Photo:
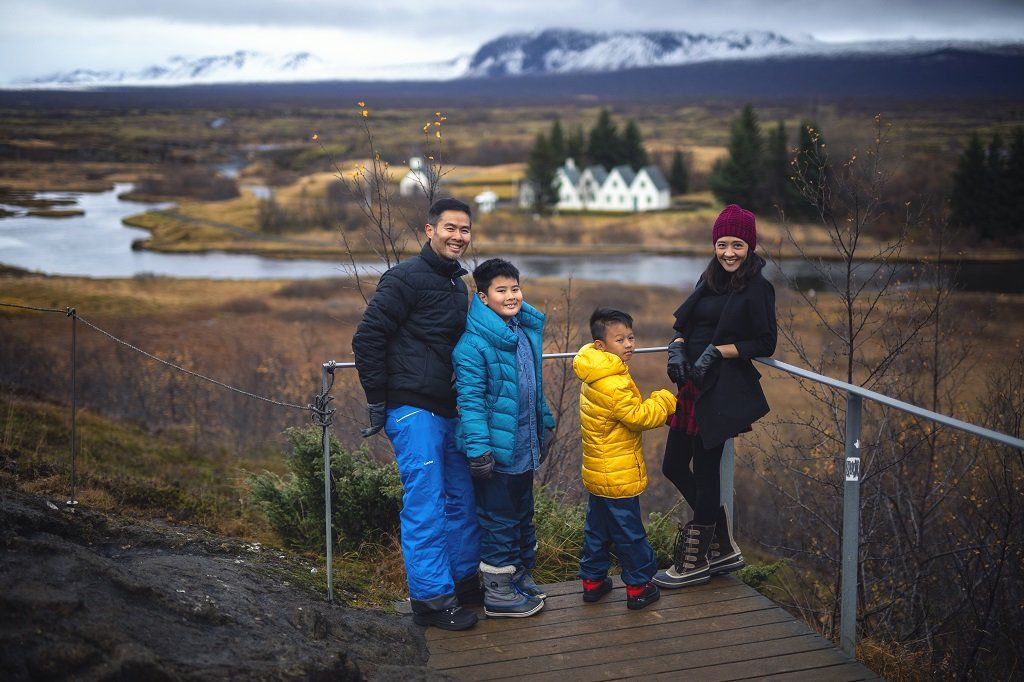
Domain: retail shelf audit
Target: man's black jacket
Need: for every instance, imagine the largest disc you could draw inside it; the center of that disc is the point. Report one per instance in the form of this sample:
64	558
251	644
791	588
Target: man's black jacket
403	345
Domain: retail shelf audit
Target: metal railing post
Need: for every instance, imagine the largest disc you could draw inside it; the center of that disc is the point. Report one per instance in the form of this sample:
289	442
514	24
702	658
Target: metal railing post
73	314
727	472
325	386
851	529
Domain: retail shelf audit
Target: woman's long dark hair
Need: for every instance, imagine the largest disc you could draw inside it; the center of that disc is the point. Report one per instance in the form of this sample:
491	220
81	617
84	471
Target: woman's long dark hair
720	282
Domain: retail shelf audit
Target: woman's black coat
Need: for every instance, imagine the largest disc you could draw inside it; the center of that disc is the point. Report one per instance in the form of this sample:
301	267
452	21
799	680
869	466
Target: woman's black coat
731	399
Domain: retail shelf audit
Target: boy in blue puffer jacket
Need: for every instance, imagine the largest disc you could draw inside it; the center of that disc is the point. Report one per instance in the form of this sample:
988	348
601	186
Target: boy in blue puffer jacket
503	418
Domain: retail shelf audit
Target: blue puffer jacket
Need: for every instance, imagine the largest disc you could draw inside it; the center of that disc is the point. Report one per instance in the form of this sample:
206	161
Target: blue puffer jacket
488	383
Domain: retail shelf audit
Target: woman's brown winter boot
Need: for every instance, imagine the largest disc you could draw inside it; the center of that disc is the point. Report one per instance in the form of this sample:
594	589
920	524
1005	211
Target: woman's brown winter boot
690	558
725	555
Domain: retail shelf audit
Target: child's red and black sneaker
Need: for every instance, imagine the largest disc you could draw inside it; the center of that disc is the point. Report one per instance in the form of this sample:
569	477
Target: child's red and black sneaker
595	589
639	596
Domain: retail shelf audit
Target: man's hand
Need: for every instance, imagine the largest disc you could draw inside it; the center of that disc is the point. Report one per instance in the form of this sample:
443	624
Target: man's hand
679	368
482	467
705	364
378	415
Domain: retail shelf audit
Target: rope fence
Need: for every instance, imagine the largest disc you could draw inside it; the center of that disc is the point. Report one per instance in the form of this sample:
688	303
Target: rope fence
319	410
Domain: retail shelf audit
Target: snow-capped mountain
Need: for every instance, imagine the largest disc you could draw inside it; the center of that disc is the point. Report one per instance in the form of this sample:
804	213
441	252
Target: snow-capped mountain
244	67
567	51
241	66
552	51
564	51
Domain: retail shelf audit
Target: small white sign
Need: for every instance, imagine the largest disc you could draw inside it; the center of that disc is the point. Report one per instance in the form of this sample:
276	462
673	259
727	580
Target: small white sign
853	468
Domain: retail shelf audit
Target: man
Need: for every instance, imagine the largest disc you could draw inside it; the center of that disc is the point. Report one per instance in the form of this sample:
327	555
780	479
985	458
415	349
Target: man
403	348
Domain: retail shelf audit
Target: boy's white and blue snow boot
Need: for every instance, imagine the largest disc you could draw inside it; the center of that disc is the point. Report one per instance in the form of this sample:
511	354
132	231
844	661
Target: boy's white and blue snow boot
523	580
502	599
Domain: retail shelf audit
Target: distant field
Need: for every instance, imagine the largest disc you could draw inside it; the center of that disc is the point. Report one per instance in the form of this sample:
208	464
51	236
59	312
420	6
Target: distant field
482	147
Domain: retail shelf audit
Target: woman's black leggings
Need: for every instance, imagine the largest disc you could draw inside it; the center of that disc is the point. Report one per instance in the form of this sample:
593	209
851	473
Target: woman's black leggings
701	486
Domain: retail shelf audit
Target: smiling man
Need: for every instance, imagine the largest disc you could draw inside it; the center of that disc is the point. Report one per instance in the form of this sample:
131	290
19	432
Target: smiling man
403	348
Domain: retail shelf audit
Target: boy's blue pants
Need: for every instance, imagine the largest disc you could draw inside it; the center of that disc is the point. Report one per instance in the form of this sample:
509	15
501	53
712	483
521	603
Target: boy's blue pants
504	508
440	535
616	521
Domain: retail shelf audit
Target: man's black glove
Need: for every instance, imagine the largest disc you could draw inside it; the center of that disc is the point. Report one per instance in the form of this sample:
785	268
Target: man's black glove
679	368
705	364
482	466
378	415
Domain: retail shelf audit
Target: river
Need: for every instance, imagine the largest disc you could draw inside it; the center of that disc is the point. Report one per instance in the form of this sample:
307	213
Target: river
97	244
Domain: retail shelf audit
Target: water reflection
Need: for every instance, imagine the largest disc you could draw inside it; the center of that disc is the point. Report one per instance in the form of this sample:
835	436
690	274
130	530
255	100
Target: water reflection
97	244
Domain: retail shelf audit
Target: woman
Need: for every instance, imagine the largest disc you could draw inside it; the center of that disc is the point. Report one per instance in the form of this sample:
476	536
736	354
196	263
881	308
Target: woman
728	320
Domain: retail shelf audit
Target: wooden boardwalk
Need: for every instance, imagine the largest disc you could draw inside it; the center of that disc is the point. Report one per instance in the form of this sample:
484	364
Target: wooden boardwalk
723	630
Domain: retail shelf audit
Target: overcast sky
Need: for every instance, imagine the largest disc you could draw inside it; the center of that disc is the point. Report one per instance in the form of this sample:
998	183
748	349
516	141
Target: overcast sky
41	36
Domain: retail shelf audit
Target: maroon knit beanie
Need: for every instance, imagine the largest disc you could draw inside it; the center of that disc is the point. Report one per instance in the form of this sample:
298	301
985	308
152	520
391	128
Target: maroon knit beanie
734	221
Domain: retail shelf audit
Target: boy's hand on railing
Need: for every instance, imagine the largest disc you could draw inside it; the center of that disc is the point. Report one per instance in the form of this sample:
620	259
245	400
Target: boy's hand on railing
378	415
704	364
482	467
679	368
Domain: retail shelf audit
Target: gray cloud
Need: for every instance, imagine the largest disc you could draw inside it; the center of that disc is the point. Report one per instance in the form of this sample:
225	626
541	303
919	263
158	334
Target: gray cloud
436	20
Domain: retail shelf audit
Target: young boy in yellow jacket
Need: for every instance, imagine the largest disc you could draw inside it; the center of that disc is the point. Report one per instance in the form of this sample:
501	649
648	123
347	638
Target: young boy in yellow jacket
613	416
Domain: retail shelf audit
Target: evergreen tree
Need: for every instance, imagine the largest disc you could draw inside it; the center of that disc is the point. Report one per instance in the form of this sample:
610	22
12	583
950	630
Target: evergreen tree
576	146
604	145
556	140
811	165
1015	188
541	168
994	209
967	197
777	170
737	179
678	176
633	153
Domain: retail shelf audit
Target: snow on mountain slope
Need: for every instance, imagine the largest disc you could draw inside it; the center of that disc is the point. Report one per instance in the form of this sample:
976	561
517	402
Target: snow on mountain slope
552	51
567	51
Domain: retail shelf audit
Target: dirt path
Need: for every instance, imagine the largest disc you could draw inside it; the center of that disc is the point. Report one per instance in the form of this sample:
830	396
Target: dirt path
92	596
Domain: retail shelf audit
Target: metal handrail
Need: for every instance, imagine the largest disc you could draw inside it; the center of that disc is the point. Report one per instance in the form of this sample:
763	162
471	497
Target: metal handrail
855	395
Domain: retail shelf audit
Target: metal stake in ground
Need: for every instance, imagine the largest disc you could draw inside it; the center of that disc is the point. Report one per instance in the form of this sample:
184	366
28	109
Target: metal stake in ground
323	415
72	500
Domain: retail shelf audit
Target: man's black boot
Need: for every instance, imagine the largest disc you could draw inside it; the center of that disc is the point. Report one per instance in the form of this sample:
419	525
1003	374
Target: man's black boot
455	618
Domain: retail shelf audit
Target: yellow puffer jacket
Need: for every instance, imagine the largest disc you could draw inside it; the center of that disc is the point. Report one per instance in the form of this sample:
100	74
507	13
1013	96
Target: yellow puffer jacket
613	416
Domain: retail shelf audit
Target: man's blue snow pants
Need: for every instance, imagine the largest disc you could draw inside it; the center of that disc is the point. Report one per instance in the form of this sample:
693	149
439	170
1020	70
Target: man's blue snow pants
616	521
440	535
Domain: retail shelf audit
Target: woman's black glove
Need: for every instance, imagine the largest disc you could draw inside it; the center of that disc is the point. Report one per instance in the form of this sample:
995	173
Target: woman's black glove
679	368
705	364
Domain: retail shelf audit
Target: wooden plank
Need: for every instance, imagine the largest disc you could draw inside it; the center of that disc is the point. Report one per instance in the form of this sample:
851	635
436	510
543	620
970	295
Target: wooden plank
843	672
670	666
622	619
817	655
723	630
614	654
572	590
715	625
611	604
698	594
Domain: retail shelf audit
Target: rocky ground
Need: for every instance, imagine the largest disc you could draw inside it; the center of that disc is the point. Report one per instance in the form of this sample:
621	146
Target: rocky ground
90	596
